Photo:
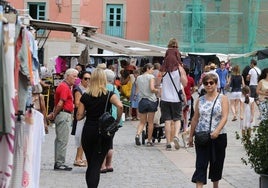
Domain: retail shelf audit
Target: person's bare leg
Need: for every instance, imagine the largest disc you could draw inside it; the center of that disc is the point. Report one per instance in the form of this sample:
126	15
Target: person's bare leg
232	103
177	126
143	119
109	158
103	166
216	184
199	185
79	154
150	125
168	131
142	122
237	104
175	135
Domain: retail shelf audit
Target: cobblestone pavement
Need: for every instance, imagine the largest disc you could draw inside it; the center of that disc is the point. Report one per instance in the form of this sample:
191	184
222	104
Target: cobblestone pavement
141	166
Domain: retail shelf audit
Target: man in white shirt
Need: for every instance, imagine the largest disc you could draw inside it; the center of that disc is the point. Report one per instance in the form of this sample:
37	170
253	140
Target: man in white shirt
253	76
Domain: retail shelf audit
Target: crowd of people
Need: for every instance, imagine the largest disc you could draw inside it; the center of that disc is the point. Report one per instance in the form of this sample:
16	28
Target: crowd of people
164	90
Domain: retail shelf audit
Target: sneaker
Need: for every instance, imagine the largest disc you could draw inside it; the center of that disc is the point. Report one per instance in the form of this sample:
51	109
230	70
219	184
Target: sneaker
128	118
62	168
168	147
137	140
176	143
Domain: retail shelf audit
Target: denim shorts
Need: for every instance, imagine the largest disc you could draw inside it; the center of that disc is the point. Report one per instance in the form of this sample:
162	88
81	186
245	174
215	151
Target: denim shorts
145	106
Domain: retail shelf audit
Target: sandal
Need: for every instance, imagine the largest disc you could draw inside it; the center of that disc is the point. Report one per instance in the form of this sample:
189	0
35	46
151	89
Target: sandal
234	119
62	167
80	163
110	169
150	144
102	171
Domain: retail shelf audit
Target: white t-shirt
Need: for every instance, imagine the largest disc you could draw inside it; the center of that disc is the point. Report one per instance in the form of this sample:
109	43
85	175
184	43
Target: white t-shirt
254	76
169	93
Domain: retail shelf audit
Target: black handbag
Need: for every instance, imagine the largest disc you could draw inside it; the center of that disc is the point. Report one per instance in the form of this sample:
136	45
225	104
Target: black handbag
202	138
107	124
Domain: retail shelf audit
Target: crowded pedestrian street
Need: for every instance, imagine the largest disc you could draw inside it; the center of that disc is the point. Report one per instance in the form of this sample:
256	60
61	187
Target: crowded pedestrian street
143	166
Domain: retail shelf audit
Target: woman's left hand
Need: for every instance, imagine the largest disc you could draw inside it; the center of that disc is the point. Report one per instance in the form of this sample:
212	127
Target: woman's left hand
190	142
215	134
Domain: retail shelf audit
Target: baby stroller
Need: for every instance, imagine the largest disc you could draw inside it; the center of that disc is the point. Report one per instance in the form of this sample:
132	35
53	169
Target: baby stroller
158	131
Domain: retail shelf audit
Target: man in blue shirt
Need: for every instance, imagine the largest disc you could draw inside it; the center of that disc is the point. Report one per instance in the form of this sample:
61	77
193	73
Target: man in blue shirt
223	75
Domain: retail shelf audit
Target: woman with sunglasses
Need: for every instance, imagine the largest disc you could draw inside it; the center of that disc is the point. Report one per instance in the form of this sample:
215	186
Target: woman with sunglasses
78	125
214	152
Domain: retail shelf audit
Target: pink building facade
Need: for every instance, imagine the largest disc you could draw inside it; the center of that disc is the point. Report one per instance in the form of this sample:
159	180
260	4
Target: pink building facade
128	19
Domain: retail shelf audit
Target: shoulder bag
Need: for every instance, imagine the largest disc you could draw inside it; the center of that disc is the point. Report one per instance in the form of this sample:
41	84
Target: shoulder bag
180	94
107	124
258	75
202	138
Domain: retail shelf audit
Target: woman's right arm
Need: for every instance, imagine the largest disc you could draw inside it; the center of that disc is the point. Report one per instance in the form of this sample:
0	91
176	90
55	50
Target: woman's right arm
243	82
194	123
152	86
115	101
80	111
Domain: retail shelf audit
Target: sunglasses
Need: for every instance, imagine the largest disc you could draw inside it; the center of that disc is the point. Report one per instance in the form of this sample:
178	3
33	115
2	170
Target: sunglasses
86	78
210	83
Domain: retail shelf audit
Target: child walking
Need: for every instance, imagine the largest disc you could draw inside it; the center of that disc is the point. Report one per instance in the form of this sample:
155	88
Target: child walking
246	111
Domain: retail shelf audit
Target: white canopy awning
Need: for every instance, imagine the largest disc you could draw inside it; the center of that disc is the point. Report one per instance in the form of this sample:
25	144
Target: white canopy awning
121	46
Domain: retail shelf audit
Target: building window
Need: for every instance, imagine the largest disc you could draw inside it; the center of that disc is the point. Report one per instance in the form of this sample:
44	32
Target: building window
37	11
194	24
114	24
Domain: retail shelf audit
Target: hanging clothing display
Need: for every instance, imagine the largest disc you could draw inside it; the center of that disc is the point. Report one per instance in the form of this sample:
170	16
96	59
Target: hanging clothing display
21	132
7	99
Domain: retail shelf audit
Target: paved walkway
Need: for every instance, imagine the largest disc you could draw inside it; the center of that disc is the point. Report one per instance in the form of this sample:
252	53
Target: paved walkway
141	166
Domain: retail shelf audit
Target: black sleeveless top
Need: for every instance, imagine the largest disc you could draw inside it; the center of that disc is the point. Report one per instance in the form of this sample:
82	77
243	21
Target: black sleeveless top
95	106
236	83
